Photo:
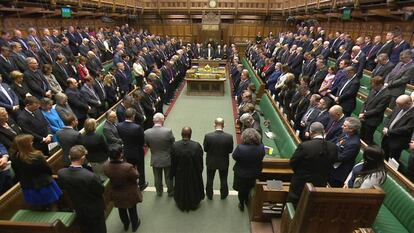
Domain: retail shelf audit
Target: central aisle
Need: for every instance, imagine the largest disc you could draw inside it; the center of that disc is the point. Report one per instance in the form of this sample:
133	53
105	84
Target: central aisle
160	214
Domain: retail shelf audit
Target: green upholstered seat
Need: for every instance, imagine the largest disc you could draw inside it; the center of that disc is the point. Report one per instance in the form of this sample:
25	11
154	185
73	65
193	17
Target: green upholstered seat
99	129
283	140
400	206
67	218
405	156
365	84
358	107
107	67
331	62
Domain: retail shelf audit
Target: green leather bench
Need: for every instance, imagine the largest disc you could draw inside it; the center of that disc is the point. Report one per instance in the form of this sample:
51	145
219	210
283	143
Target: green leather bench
67	218
254	79
283	144
397	212
365	84
99	129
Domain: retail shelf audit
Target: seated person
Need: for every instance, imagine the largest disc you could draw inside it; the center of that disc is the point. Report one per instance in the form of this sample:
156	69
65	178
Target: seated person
52	116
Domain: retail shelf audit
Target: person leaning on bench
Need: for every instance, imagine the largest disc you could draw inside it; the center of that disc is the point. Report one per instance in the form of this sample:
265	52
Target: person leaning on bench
85	191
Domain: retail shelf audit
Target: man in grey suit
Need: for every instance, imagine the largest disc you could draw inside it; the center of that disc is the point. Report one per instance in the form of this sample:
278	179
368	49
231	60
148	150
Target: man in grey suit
110	131
160	140
68	137
397	80
218	145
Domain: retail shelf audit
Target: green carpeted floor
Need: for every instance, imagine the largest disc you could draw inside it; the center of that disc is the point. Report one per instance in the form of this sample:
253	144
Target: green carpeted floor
160	214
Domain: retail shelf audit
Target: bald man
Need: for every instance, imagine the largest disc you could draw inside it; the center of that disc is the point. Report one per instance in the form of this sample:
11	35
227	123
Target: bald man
398	130
334	128
218	145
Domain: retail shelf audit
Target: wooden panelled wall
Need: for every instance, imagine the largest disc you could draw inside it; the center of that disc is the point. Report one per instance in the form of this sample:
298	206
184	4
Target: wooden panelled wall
8	24
231	32
359	28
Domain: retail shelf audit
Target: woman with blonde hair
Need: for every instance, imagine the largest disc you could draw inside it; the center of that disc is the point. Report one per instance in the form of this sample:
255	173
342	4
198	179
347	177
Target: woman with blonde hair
19	87
110	90
34	173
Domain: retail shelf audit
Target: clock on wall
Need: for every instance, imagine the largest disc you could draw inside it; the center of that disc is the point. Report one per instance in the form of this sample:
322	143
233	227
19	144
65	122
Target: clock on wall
212	3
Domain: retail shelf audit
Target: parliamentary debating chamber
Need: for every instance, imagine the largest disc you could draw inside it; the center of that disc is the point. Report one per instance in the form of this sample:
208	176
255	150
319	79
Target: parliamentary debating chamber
305	108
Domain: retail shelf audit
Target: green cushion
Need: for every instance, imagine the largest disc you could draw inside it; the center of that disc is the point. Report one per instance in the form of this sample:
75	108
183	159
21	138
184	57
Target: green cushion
107	67
66	218
365	83
284	141
100	128
400	203
386	222
405	156
331	62
291	209
358	107
267	141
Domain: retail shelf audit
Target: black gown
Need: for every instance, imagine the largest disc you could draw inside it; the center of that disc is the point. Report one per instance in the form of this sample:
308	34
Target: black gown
187	169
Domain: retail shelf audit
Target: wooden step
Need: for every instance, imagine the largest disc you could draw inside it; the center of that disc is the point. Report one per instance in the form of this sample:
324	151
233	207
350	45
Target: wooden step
261	227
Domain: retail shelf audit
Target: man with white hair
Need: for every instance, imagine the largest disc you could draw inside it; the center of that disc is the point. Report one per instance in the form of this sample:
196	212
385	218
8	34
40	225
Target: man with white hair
84	47
358	59
160	140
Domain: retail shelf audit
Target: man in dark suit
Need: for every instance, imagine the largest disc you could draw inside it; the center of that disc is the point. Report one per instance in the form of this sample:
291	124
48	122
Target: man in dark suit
384	66
396	81
371	54
311	162
17	57
358	60
348	147
32	121
398	130
317	78
33	51
8	98
325	50
309	65
342	54
373	110
218	145
133	137
91	98
160	140
19	39
35	80
295	63
66	49
110	131
45	53
122	79
60	72
6	65
126	103
334	129
148	104
84	47
347	92
73	42
76	101
85	191
388	45
68	137
399	46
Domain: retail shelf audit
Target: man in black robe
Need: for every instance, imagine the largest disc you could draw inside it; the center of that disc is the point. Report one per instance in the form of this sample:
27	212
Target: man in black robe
186	171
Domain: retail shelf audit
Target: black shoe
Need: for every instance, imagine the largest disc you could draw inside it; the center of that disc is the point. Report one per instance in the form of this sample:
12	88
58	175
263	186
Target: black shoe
143	187
171	194
168	103
241	207
223	197
126	227
135	228
209	197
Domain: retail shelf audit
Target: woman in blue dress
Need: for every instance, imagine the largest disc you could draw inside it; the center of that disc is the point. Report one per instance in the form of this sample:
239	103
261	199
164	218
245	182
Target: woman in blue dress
52	116
33	173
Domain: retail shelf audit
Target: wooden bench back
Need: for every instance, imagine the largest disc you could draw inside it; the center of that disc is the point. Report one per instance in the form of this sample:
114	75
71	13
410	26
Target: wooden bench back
335	210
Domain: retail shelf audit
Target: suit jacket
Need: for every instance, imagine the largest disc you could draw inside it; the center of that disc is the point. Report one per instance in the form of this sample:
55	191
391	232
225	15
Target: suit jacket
249	160
218	145
347	98
35	125
334	130
83	50
7	135
6	66
396	50
96	146
317	79
348	149
399	77
133	137
46	57
160	140
111	134
37	83
77	103
382	70
323	118
309	68
342	56
374	107
123	188
67	137
19	61
61	75
85	190
400	134
386	48
4	101
311	163
122	81
325	53
371	54
360	65
92	99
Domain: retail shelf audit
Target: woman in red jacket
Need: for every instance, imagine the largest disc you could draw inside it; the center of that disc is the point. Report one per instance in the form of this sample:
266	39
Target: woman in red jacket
82	70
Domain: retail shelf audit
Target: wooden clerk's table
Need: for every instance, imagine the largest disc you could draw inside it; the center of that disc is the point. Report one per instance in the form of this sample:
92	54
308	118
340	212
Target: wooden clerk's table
206	82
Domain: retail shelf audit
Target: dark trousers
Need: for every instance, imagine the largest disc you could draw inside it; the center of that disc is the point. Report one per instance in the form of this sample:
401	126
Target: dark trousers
243	196
224	189
410	168
367	133
132	218
158	179
140	165
391	150
92	224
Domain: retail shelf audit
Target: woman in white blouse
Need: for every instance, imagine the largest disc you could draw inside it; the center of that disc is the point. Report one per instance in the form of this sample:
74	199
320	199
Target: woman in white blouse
369	173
